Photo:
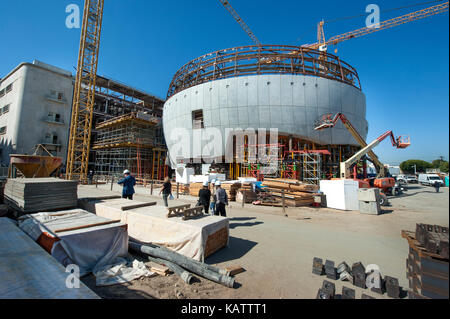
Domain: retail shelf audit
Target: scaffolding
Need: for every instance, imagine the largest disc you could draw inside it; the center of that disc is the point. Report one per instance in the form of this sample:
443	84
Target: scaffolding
130	142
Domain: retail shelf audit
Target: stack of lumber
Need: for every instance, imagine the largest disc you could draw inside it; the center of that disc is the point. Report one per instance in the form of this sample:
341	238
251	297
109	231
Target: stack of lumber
427	262
30	195
296	194
250	195
194	188
183	189
290	185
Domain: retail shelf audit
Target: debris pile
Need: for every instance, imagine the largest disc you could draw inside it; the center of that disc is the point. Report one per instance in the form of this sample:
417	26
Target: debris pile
363	277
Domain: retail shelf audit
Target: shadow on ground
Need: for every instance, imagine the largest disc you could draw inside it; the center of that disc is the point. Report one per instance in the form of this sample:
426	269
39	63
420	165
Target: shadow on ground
119	291
237	247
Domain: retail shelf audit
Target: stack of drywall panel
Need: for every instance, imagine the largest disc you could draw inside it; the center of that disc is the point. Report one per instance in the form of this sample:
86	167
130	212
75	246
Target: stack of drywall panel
30	195
341	194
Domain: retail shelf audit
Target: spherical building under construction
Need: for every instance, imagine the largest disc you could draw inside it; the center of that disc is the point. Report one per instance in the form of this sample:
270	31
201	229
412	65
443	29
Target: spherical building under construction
276	86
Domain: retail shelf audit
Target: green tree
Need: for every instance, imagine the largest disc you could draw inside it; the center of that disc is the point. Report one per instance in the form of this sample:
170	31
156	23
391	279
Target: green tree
421	166
444	167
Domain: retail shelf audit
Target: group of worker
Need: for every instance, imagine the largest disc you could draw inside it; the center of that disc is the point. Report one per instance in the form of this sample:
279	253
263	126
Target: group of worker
215	201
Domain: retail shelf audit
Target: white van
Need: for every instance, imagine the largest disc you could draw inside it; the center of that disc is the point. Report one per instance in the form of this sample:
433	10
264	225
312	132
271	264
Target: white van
430	179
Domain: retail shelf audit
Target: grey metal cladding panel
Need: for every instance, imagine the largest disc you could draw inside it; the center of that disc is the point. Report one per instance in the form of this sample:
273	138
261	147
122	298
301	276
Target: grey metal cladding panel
287	115
263	90
232	91
233	116
215	117
207	96
299	115
264	116
207	118
276	116
252	91
287	89
243	115
275	90
323	92
334	88
223	93
200	102
348	100
214	89
253	116
298	91
310	91
224	117
242	91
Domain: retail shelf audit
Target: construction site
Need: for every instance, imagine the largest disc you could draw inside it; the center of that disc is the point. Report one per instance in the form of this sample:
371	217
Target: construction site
275	135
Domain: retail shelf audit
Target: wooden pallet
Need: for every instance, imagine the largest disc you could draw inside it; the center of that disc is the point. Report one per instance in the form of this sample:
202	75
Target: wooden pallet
416	246
216	241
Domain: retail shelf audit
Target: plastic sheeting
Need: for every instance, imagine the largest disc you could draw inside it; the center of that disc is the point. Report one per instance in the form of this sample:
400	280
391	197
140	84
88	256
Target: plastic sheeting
77	246
151	225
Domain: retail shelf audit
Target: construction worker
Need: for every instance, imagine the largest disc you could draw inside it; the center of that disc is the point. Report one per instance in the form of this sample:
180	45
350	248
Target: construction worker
213	195
221	200
90	177
166	190
437	185
204	197
128	185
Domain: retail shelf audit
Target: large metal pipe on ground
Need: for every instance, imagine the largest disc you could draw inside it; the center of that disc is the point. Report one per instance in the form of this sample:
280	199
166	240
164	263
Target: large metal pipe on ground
207	271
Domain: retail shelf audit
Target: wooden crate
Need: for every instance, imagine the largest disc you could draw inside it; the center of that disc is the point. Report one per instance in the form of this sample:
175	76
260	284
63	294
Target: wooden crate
216	241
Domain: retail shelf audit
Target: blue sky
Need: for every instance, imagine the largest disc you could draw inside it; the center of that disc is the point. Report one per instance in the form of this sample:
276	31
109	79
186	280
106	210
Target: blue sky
403	70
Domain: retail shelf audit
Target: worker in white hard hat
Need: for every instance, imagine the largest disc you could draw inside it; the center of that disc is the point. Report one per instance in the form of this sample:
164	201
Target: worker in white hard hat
221	200
204	197
128	185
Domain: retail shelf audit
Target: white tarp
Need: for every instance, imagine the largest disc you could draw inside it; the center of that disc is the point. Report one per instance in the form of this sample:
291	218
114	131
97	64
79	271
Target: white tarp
151	225
93	249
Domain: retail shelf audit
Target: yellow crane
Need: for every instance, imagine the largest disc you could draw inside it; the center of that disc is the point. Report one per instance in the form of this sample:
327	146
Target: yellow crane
241	22
413	16
84	92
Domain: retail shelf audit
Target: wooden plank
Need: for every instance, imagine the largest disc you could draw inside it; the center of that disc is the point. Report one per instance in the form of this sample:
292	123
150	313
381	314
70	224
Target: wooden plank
234	270
86	226
123	208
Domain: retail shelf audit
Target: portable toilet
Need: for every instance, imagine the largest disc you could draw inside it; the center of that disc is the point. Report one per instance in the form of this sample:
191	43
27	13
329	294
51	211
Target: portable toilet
446	181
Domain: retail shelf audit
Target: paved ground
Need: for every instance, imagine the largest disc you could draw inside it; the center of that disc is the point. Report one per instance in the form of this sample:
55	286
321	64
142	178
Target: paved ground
277	250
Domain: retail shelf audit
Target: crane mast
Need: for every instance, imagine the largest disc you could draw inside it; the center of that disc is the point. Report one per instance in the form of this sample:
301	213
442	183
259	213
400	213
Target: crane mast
417	15
84	92
241	22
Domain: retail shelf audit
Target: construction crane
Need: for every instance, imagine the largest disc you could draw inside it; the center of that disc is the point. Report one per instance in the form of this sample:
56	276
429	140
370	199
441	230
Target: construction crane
241	22
401	142
322	44
84	92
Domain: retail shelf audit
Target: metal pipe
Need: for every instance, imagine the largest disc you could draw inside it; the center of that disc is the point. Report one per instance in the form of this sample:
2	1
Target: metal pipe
207	271
183	274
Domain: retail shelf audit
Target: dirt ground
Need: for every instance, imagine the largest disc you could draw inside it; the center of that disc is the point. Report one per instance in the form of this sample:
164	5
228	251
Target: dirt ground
277	250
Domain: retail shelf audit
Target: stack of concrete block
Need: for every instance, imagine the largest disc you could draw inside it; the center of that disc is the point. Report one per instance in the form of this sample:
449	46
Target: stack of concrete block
369	201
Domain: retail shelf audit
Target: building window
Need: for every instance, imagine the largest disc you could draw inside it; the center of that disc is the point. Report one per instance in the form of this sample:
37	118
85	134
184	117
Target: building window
2	93
3	130
5	109
197	119
9	88
57	118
